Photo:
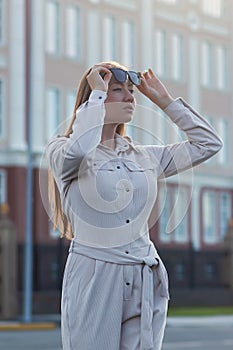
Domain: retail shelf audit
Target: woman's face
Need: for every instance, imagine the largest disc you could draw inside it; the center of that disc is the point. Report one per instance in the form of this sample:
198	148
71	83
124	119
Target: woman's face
120	102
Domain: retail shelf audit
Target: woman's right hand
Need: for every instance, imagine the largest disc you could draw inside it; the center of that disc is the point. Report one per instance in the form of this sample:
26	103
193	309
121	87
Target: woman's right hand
99	77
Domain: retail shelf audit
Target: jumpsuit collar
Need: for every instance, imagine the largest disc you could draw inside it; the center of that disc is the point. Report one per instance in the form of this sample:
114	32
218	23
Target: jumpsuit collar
122	144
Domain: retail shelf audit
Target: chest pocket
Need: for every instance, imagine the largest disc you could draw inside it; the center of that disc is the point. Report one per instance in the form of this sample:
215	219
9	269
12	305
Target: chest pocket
143	166
99	165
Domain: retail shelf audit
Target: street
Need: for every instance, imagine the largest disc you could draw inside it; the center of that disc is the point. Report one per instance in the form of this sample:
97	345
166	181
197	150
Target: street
209	335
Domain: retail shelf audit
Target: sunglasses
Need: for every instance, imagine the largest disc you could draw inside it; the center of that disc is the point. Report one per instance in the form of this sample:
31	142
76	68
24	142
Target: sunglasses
121	75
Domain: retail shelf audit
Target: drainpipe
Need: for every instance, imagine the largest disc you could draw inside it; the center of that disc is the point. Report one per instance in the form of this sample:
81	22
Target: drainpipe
28	248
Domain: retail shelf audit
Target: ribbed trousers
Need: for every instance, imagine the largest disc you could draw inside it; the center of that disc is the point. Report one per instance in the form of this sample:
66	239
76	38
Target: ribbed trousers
112	300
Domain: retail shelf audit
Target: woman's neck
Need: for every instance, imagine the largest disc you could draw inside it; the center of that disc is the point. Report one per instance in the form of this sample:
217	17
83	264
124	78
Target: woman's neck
108	135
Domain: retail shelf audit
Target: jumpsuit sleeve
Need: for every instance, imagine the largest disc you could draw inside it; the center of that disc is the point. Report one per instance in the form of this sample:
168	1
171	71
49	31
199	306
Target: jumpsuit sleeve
201	144
65	154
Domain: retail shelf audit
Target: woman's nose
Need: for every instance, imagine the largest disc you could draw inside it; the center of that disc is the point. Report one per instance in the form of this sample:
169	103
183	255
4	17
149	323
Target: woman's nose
128	96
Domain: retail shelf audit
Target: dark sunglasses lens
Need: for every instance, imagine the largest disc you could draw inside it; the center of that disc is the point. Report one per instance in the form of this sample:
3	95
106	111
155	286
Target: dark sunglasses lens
119	74
134	77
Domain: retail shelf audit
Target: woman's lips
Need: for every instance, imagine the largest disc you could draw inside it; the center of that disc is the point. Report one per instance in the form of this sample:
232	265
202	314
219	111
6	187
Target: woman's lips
128	108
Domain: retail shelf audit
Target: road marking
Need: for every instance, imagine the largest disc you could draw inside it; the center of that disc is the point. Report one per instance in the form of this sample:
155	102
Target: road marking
183	345
193	344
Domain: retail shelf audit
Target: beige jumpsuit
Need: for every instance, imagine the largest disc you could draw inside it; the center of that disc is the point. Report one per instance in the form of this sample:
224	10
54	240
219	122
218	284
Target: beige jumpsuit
115	287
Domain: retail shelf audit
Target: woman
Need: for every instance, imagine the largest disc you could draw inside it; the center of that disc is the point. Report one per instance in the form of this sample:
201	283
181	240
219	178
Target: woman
102	190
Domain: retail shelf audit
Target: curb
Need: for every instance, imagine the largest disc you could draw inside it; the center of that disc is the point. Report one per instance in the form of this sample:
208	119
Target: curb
17	326
198	321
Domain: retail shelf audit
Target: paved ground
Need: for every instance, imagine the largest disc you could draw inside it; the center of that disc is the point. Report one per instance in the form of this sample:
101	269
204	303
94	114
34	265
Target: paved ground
201	333
205	333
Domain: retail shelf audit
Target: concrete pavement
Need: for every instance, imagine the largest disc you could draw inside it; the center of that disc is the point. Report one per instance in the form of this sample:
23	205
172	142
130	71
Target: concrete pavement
49	322
182	333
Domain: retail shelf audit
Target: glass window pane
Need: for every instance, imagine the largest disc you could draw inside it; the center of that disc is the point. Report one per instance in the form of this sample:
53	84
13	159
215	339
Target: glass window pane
181	219
212	7
73	32
52	111
128	43
160	52
1	108
169	1
109	34
221	68
164	203
52	24
206	64
225	212
223	129
177	57
2	21
3	189
70	102
209	217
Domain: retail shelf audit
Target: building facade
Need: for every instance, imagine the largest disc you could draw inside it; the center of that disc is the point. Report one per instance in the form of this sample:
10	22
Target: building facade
44	48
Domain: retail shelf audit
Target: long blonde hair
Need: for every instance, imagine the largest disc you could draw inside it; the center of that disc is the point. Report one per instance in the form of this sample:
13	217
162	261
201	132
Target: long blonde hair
59	218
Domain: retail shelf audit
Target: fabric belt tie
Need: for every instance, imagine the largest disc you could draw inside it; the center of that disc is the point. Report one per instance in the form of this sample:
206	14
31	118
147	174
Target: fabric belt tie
151	261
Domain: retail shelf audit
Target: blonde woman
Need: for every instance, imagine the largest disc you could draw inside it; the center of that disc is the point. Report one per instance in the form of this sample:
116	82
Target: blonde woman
102	189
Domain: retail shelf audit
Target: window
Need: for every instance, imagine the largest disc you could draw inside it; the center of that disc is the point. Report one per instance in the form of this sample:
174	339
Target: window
177	57
211	160
52	24
180	271
73	32
109	34
180	217
160	52
2	21
206	64
3	187
164	203
1	108
216	212
209	217
225	212
222	127
212	7
128	49
70	103
169	1
173	221
221	68
209	271
52	111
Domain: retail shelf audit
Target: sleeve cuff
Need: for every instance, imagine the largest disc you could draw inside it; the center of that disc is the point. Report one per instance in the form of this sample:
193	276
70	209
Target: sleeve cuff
97	95
174	105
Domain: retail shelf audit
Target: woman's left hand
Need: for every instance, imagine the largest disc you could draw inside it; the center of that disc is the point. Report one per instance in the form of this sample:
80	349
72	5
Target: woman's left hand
154	89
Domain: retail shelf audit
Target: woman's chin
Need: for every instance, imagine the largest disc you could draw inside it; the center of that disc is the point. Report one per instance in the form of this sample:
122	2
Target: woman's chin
124	119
